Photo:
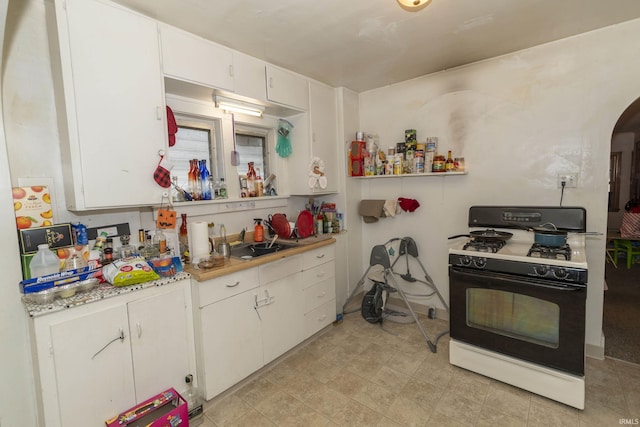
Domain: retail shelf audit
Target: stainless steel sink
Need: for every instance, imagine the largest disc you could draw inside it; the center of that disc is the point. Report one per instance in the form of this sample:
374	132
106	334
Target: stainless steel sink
244	250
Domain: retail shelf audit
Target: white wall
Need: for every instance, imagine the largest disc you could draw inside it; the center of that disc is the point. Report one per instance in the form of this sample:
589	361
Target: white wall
518	120
17	396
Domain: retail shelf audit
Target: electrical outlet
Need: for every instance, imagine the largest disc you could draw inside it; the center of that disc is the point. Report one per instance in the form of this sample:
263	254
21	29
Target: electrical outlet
570	180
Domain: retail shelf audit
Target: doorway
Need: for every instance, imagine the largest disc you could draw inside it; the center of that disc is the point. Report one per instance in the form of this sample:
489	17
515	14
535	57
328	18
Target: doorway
621	311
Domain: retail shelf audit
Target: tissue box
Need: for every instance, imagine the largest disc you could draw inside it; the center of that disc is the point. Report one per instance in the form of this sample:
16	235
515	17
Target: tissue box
167	409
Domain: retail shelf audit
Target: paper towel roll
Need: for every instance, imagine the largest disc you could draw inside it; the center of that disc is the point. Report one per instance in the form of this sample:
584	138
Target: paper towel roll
198	240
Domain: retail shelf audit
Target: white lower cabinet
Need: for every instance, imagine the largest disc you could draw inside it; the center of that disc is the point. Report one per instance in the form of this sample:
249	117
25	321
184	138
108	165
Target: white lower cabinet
94	361
247	319
280	306
229	339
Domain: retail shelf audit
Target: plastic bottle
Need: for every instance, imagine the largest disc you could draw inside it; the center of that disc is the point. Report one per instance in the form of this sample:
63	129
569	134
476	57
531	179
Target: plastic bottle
44	262
319	224
258	231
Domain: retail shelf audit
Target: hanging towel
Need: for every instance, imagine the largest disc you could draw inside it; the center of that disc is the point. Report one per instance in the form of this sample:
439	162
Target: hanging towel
391	208
408	205
371	210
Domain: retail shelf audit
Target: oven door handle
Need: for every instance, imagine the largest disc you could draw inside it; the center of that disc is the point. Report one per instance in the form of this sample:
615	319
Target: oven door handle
529	281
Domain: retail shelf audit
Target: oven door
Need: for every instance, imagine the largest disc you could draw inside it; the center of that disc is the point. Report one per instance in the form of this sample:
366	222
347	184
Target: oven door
539	321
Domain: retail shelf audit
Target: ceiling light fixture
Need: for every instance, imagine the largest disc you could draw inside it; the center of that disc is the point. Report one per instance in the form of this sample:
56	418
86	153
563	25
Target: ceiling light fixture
413	5
241	107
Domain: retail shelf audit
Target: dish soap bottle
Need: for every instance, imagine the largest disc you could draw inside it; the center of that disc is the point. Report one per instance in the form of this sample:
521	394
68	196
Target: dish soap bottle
258	231
44	262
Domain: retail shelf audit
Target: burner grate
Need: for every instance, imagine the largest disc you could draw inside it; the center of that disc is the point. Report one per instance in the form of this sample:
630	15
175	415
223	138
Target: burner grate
551	252
484	245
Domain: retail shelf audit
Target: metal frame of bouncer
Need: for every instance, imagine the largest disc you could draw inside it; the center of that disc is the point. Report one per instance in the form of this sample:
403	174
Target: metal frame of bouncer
380	257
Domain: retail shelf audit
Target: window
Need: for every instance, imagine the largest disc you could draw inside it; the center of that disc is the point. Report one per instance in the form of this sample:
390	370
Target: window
252	146
196	139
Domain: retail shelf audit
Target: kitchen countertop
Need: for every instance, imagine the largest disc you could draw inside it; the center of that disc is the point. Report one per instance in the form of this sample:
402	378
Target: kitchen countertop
295	247
103	291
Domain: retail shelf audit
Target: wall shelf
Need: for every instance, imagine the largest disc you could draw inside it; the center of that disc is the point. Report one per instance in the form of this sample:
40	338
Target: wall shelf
411	175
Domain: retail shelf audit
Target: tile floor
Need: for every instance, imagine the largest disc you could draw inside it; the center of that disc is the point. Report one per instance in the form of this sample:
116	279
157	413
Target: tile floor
356	374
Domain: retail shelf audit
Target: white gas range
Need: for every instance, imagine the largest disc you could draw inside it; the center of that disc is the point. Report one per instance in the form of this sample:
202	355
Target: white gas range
517	308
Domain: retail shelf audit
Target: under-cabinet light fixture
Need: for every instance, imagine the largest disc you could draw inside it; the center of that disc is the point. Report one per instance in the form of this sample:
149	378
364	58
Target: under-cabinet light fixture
241	107
413	5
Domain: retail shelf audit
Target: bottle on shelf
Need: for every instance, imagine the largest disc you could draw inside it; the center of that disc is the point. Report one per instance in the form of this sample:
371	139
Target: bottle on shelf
183	238
141	238
222	191
44	262
251	180
449	165
205	183
259	184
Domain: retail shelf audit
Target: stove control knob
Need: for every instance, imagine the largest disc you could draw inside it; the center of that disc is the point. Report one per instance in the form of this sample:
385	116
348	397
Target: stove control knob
480	262
560	273
465	260
541	270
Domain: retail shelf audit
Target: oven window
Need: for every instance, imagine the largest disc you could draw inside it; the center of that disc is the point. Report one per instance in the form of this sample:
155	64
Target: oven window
514	315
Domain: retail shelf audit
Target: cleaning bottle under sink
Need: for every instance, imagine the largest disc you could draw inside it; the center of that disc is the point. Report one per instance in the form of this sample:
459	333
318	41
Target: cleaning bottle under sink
258	231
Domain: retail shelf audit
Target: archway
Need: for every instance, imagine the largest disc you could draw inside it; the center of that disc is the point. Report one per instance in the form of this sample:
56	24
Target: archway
621	310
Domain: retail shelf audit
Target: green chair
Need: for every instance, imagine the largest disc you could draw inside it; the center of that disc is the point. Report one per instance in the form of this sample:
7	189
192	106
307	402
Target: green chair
628	248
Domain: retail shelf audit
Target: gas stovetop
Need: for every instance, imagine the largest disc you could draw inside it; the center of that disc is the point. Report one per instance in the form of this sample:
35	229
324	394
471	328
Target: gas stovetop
518	253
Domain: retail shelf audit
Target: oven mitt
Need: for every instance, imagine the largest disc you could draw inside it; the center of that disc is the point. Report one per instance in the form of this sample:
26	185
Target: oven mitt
172	127
161	175
408	205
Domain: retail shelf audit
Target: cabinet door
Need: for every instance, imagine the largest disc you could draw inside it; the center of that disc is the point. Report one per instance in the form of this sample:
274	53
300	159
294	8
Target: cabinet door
186	56
160	342
231	342
324	132
249	76
115	104
93	367
281	310
287	88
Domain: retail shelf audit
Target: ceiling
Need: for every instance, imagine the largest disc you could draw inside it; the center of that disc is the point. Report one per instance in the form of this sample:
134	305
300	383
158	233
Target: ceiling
366	44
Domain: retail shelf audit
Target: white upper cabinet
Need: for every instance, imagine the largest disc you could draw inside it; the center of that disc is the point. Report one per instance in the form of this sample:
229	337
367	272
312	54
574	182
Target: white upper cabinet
249	76
315	138
287	88
114	102
194	59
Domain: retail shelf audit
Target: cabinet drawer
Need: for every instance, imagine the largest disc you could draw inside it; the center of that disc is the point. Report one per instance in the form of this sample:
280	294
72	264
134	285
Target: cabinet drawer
226	286
320	317
318	256
279	269
319	293
318	273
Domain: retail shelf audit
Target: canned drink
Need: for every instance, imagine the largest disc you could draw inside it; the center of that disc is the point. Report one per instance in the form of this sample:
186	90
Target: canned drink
80	235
